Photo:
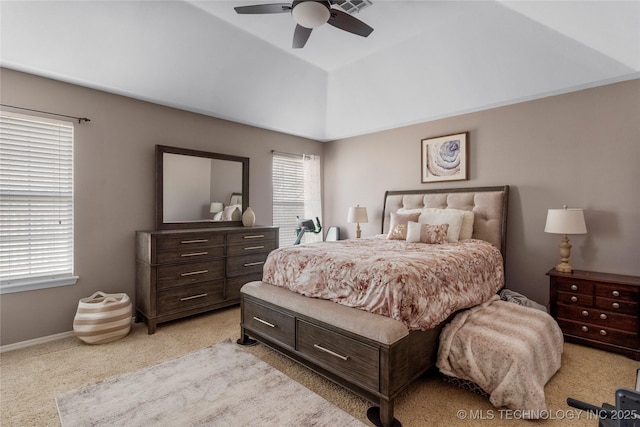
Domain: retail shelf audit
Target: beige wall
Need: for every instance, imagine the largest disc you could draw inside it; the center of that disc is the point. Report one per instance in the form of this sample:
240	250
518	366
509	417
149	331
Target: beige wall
114	187
580	149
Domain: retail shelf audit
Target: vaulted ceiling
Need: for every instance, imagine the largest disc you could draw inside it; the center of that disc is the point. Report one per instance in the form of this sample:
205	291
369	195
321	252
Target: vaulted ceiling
424	60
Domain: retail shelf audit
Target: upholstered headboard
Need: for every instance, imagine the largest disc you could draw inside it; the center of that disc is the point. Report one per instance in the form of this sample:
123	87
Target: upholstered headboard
489	205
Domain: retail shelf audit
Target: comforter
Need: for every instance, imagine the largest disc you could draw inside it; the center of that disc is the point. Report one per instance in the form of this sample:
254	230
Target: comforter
416	283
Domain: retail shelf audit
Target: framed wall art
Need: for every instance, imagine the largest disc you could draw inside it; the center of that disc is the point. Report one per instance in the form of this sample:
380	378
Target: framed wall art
445	158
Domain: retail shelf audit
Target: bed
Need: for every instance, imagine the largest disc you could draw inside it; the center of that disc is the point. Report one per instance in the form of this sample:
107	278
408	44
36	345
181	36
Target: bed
375	356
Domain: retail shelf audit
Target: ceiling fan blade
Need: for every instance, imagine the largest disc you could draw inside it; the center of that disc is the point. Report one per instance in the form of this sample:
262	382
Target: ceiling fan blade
346	22
300	36
264	8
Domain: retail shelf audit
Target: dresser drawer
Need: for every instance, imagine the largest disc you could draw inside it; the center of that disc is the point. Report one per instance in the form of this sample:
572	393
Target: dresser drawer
233	286
574	285
190	296
250	247
599	333
338	353
617	305
598	317
575	299
190	254
193	272
188	241
272	323
617	292
249	264
251	236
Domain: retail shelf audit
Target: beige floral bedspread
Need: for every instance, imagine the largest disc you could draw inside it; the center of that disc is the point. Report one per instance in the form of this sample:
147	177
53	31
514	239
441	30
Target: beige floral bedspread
416	283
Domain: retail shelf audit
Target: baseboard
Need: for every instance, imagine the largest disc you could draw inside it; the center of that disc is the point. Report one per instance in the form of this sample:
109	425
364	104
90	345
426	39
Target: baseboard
41	340
35	341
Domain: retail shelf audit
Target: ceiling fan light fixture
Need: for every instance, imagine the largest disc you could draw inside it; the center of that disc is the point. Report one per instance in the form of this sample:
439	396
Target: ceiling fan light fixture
311	14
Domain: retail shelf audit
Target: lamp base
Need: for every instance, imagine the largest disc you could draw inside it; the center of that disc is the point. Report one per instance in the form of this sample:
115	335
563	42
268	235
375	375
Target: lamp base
564	267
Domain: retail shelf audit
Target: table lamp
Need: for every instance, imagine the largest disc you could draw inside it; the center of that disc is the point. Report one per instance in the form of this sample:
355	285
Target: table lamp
357	215
565	221
216	207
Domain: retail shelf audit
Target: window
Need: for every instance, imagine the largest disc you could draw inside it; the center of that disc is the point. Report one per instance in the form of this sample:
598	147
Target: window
296	193
36	203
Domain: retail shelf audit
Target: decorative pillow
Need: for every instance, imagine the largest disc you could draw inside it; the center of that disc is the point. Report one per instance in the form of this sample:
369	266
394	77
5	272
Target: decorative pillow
400	219
232	213
454	219
218	216
426	233
466	230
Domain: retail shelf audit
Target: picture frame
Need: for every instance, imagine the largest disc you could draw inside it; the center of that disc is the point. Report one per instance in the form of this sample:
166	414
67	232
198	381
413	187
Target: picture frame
445	158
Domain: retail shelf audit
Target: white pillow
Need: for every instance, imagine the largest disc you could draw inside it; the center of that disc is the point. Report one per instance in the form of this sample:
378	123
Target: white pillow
466	230
454	219
413	231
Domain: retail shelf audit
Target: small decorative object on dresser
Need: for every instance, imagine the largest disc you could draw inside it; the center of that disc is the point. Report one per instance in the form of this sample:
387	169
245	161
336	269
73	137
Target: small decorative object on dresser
597	309
248	217
185	272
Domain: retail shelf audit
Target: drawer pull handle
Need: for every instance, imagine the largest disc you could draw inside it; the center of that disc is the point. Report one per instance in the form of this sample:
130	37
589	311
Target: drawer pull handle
574	287
615	305
574	298
603	316
603	332
326	350
585	313
254	236
193	297
186	242
264	322
615	293
191	273
585	329
253	248
194	254
251	264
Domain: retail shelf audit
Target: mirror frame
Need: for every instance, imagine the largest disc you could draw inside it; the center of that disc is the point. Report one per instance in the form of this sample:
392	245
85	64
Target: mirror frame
160	150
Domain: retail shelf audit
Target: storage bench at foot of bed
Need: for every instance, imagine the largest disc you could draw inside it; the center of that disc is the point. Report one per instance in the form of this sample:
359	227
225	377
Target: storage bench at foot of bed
373	356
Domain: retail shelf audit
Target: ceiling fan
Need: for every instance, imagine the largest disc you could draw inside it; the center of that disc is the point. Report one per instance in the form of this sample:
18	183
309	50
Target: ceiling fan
310	14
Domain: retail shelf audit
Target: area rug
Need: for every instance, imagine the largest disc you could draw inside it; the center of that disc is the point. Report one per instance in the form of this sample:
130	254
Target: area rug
222	385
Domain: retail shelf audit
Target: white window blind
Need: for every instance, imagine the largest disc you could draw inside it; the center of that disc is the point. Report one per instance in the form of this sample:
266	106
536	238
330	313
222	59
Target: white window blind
36	203
288	195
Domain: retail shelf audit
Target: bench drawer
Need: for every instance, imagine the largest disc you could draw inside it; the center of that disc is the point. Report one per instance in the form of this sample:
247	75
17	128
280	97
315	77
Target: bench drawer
340	354
269	322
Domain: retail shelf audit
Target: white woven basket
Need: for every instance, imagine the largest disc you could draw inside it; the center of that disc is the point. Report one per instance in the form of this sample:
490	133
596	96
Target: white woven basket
103	318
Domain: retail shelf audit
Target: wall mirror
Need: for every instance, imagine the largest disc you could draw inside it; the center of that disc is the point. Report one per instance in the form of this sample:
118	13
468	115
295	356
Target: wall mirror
196	189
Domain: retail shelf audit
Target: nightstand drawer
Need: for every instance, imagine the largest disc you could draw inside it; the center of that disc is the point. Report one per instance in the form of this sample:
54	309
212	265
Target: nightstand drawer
598	317
269	322
338	353
193	272
617	292
575	299
574	285
617	305
598	333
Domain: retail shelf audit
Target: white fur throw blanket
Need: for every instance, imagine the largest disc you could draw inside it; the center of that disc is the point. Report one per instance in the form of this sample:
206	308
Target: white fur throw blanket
509	350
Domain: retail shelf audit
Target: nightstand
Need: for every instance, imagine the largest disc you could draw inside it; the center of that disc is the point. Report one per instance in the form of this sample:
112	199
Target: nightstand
597	309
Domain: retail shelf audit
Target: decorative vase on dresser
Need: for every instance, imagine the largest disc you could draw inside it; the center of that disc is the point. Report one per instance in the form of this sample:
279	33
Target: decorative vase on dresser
597	309
189	271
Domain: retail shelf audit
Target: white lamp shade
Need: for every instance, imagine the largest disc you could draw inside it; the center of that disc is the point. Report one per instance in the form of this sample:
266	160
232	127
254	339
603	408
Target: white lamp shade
216	207
565	221
357	214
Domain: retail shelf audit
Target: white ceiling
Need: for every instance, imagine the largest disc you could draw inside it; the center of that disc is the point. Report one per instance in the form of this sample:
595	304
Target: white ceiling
424	60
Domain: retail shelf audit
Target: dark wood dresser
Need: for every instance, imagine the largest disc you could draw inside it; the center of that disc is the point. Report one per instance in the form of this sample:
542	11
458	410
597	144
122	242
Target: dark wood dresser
184	272
597	309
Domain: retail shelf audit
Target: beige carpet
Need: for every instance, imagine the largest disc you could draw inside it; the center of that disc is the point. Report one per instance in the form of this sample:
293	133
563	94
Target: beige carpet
31	378
221	385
